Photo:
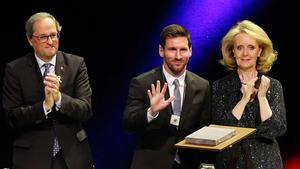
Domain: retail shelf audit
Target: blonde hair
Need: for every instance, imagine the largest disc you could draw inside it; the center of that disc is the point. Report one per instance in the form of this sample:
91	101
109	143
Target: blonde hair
268	54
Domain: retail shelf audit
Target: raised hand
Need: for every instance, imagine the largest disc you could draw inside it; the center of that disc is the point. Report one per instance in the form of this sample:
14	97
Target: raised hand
263	87
49	101
52	82
157	98
248	90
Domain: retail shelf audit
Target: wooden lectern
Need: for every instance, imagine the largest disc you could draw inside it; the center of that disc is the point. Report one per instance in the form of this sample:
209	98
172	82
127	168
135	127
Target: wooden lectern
241	133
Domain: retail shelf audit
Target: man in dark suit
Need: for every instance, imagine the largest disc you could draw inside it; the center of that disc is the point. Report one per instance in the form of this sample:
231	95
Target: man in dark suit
150	114
47	112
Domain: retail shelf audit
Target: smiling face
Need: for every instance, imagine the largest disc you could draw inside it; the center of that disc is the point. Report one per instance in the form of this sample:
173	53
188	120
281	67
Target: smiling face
44	27
246	51
176	54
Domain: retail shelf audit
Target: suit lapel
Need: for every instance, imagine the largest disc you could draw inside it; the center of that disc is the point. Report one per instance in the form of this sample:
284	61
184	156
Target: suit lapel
60	66
188	95
160	76
34	67
188	98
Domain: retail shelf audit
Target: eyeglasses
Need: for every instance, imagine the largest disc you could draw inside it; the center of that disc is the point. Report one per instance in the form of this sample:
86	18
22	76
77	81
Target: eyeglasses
44	38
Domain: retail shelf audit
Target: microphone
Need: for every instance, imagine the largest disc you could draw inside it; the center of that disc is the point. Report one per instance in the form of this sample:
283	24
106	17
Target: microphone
256	86
257	82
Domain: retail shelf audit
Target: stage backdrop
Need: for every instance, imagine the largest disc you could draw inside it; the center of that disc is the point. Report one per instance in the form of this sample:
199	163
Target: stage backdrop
119	40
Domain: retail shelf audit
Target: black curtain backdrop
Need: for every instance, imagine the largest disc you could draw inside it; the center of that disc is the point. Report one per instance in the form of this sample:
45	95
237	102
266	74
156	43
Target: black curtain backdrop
113	37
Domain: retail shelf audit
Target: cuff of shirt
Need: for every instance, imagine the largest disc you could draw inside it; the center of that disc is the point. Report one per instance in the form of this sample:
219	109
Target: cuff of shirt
149	116
45	111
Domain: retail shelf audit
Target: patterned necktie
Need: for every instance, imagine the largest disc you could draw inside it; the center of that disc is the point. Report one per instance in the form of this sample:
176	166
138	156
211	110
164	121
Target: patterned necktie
56	147
47	69
177	101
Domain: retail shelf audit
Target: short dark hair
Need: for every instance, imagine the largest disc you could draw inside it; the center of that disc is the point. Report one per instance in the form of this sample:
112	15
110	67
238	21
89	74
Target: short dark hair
174	30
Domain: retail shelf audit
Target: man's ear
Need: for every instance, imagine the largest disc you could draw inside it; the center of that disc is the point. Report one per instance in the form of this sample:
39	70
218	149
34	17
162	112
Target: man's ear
29	41
161	51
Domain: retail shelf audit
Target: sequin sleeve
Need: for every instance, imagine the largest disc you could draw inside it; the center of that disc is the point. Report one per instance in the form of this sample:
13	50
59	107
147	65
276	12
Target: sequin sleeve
276	125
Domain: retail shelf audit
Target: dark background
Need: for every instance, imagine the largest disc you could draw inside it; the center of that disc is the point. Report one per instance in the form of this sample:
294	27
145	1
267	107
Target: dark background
116	38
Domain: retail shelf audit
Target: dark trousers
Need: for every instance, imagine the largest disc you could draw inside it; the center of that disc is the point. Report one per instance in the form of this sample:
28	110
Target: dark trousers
58	162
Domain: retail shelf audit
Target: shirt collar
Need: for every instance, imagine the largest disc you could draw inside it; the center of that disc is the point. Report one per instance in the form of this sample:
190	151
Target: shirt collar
170	78
41	62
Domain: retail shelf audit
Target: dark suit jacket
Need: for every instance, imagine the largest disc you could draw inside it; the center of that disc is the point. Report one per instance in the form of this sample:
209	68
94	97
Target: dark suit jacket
23	96
156	147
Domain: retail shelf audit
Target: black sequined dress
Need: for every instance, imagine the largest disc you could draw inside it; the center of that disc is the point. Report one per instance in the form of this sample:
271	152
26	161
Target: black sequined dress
260	150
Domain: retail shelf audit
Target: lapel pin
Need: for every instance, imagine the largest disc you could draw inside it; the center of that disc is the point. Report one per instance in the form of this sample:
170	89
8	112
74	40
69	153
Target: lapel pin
59	79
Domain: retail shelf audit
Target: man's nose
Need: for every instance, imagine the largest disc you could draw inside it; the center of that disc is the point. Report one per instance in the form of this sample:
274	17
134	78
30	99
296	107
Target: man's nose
178	55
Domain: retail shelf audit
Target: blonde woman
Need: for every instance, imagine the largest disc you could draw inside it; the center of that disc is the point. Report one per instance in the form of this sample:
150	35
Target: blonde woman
247	97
